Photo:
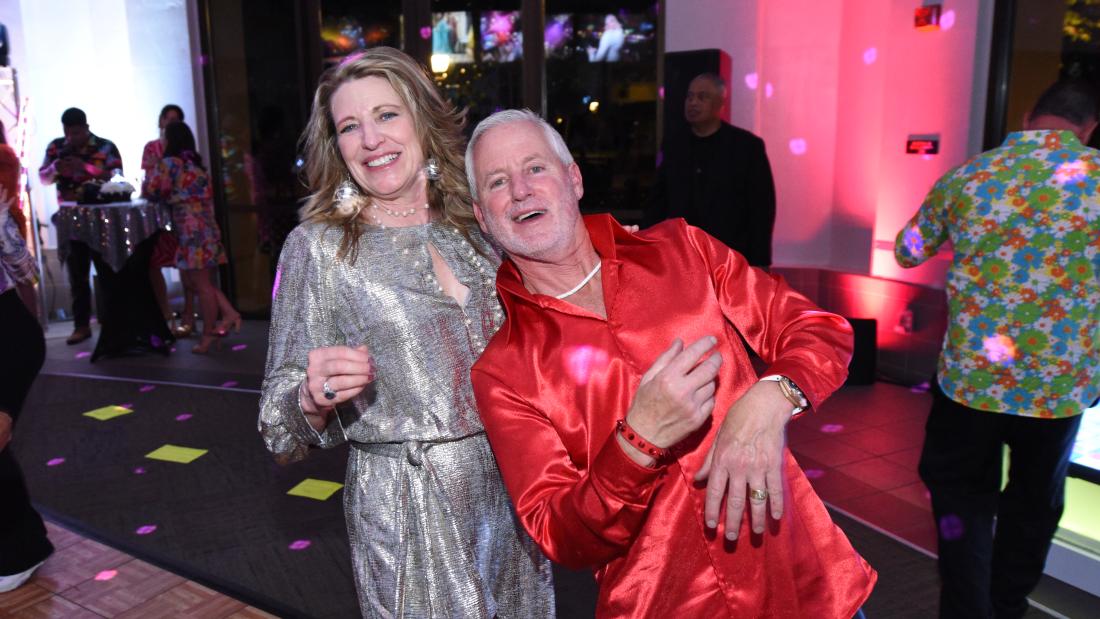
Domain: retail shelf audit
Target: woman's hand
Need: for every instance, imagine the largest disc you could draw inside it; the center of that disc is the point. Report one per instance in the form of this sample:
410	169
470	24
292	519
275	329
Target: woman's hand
346	371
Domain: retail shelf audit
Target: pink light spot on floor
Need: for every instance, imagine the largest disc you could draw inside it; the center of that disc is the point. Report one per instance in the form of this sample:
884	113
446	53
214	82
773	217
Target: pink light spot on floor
300	544
798	146
870	55
147	388
947	20
173	349
752	80
814	473
229	383
129	405
146	529
139	470
106	575
183	417
832	428
83	354
768	90
921	388
55	462
239	347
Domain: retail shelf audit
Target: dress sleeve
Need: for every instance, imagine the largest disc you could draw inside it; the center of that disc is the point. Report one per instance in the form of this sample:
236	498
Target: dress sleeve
796	338
579	518
158	182
922	236
300	322
18	262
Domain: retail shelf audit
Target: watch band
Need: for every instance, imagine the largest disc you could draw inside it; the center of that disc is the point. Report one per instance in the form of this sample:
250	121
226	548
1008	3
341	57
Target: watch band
790	391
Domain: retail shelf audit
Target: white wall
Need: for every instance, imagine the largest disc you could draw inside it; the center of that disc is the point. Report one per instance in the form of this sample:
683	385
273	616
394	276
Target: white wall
118	60
853	187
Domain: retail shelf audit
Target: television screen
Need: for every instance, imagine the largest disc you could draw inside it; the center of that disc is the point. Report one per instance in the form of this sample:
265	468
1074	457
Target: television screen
1085	458
501	36
559	35
614	37
453	37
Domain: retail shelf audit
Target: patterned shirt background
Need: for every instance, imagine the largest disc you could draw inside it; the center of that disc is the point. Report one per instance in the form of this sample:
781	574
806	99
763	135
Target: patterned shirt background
100	153
1022	289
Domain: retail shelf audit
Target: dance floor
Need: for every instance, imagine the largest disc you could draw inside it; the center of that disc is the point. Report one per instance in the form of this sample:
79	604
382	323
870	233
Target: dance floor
220	536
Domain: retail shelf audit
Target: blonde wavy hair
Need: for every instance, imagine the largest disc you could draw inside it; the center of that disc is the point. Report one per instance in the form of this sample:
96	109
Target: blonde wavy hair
438	125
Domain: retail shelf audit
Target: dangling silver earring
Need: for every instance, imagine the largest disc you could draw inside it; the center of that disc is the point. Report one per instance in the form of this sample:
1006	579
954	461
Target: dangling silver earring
347	199
431	169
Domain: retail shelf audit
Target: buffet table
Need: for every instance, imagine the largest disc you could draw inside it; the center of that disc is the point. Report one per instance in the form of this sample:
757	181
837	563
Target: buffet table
121	236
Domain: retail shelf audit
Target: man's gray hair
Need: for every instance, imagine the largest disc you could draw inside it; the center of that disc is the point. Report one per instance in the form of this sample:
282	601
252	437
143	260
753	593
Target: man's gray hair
505	117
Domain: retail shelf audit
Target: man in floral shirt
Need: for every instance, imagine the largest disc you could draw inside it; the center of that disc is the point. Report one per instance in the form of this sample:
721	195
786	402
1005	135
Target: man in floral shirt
70	161
1019	359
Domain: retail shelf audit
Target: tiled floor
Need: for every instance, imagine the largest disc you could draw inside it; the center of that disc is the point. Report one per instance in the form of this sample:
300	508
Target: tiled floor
84	579
860	452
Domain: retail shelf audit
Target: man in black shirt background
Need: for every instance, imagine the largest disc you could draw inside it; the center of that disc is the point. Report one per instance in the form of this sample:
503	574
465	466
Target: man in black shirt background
717	176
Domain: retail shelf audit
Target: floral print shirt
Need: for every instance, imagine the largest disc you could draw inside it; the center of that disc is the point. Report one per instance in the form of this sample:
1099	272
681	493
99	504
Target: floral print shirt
1022	290
98	154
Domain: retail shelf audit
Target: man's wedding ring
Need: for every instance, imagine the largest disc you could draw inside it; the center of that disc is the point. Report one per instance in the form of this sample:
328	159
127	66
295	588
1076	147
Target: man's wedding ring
758	495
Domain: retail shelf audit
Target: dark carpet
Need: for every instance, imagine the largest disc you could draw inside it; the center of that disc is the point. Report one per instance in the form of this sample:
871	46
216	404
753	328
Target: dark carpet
224	520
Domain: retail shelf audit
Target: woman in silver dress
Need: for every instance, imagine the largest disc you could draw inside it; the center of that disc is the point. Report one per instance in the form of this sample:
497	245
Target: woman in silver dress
384	298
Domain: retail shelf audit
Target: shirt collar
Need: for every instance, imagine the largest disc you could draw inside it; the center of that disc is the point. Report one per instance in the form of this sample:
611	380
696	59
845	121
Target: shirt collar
1043	137
605	233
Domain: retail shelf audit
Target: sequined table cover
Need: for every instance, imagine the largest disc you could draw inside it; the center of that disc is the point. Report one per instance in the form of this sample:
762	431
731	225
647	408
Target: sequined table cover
113	229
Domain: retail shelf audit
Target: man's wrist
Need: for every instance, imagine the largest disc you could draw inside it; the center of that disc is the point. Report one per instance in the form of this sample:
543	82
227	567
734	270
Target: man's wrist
791	392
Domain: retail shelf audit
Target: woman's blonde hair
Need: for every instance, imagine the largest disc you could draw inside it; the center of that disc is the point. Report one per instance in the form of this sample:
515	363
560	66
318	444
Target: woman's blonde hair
438	125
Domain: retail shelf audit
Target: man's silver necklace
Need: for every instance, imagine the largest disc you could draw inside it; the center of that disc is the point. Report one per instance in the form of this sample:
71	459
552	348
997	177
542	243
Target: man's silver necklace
584	282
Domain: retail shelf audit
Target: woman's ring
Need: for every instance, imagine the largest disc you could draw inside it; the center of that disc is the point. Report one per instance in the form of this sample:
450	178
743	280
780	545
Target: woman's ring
329	393
758	495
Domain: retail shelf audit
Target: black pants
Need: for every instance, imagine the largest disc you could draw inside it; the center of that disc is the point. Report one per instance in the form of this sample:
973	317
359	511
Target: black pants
987	574
23	541
79	264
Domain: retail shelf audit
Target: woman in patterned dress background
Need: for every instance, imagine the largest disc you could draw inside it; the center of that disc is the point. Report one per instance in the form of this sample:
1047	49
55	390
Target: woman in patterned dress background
180	180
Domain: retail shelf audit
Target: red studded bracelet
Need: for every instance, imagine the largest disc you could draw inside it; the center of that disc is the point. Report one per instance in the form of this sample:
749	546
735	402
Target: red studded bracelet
636	440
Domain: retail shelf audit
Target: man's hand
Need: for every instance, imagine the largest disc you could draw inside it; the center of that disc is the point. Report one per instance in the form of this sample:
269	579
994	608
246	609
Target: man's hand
675	396
5	430
747	454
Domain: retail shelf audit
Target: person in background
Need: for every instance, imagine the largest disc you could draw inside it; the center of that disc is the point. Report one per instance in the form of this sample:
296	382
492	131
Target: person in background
23	542
717	176
1020	358
180	180
611	41
70	161
164	254
385	298
10	168
618	385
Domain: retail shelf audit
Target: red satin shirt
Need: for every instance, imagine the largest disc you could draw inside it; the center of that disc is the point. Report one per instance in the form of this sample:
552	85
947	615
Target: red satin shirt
555	378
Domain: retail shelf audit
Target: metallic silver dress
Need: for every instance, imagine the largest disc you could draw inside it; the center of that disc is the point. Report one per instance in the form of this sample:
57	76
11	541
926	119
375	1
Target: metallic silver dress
431	526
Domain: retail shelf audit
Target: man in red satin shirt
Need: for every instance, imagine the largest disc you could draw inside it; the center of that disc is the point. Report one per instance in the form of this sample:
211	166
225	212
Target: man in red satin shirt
618	385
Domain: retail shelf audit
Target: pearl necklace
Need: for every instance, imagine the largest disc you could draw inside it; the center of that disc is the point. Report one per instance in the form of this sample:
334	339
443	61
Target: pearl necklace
402	213
584	282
